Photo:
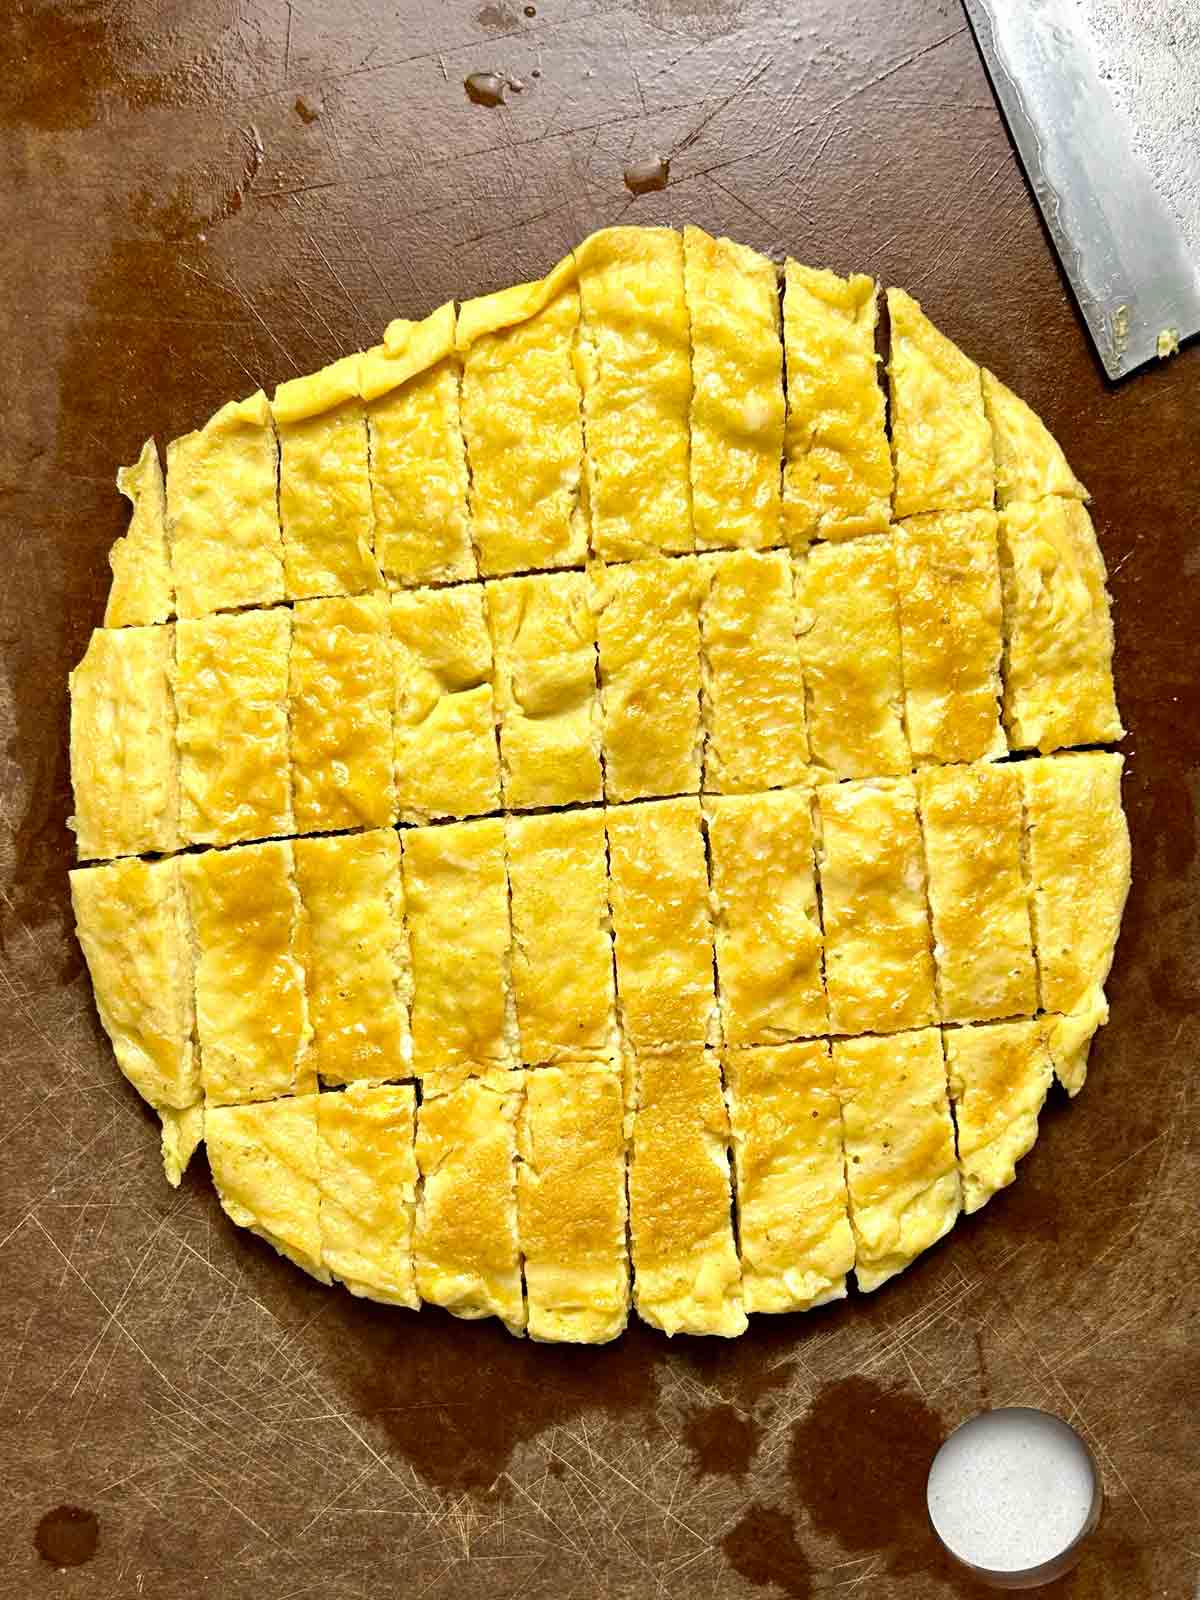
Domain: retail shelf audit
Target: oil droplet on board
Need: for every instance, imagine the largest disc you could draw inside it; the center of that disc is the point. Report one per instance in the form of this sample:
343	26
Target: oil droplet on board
644	177
485	88
67	1536
531	11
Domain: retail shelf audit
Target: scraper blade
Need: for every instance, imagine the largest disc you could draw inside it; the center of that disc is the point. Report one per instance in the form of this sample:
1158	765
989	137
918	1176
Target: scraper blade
1120	244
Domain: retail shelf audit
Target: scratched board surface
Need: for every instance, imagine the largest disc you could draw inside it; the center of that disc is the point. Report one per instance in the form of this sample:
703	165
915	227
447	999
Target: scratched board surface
205	195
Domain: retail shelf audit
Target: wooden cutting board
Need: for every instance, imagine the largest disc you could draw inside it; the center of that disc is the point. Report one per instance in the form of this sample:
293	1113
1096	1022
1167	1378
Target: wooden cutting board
215	194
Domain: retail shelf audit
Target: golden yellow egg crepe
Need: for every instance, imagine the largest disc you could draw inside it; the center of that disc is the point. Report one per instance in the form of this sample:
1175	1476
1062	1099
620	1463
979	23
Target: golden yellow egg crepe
590	806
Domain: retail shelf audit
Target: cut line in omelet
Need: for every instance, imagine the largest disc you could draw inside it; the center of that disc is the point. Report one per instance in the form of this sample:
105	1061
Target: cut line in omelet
580	806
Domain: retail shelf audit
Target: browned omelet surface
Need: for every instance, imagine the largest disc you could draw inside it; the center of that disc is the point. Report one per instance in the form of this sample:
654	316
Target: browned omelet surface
554	800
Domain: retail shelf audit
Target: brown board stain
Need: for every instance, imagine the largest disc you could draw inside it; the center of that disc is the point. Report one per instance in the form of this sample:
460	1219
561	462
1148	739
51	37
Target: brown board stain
205	197
74	59
1114	1562
859	1460
67	1536
456	1399
722	1441
762	1547
745	1371
72	62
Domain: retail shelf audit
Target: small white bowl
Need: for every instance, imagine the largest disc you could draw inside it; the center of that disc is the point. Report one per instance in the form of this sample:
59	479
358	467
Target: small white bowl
1013	1497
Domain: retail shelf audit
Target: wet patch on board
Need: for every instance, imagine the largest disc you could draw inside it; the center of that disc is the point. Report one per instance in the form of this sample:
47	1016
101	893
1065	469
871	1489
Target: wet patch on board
859	1461
763	1548
457	1398
68	1536
74	59
200	199
721	1441
497	18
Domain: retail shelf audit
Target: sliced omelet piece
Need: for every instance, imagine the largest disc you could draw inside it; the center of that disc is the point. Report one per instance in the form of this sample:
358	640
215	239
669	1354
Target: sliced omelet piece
124	764
737	392
182	1135
982	945
508	308
878	966
266	1167
756	734
466	1253
447	758
837	476
664	953
132	923
940	436
418	463
408	349
1029	460
1077	846
340	701
999	1075
324	484
635	371
562	962
456	907
901	1171
367	1168
765	917
571	1207
847	619
951	635
793	1223
544	642
251	1009
522	421
142	588
1058	685
1069	1039
231	696
359	982
648	632
686	1273
222	511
